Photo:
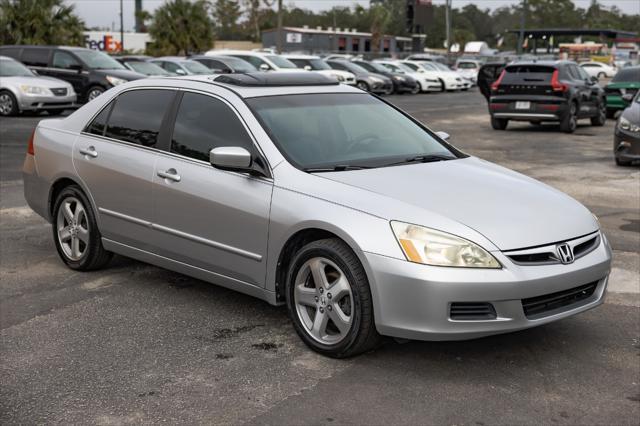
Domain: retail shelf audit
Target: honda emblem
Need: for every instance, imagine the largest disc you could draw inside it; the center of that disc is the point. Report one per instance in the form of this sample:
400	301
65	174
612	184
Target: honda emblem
565	253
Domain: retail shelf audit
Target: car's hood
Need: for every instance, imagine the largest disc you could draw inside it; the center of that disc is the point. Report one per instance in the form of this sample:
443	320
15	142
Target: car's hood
511	210
124	74
625	85
632	113
38	80
380	76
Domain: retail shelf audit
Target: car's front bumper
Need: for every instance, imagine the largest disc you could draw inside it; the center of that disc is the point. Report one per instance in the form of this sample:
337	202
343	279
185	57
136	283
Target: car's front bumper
384	87
44	102
626	145
413	301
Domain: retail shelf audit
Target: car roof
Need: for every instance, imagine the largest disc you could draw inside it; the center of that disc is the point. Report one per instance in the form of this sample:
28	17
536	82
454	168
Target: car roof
294	56
171	58
546	62
251	85
230	52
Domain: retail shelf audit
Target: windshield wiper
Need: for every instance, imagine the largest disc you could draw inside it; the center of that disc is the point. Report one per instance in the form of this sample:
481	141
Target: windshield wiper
337	168
430	158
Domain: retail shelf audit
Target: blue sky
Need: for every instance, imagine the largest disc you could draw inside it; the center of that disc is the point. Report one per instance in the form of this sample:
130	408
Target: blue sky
105	13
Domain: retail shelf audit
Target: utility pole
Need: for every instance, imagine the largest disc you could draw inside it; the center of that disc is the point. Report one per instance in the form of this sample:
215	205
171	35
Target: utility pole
523	21
280	34
447	11
121	29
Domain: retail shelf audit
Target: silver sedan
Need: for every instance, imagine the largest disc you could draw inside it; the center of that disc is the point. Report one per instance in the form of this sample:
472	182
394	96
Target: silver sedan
300	191
22	90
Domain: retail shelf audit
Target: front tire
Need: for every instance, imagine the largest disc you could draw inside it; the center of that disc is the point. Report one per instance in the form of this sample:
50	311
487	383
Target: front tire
329	300
600	119
75	231
8	104
499	123
363	85
94	92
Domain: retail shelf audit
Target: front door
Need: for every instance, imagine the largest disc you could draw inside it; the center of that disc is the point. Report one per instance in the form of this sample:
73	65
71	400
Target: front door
212	219
115	158
67	67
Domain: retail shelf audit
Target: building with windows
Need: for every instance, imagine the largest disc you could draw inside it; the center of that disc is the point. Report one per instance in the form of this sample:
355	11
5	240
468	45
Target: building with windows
335	40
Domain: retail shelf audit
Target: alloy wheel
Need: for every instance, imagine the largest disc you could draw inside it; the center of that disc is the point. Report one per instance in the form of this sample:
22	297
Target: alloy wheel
323	300
73	228
94	93
6	104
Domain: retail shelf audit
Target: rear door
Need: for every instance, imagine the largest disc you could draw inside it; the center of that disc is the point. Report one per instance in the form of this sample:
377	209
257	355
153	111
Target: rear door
209	218
36	58
115	157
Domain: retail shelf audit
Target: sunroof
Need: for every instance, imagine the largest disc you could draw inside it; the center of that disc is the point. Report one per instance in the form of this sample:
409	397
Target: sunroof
274	79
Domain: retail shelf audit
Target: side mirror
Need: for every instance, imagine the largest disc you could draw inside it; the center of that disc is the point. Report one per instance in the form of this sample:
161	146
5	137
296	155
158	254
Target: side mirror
308	68
264	67
443	135
76	67
627	98
230	158
181	72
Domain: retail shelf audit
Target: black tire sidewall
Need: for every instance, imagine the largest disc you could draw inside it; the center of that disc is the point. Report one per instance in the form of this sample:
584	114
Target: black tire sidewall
94	234
307	252
91	89
363	85
14	102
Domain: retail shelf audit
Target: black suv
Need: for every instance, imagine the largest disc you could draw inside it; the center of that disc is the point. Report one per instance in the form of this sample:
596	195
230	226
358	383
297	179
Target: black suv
90	72
538	91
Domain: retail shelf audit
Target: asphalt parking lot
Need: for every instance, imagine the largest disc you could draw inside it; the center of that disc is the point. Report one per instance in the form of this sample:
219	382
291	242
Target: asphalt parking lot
137	344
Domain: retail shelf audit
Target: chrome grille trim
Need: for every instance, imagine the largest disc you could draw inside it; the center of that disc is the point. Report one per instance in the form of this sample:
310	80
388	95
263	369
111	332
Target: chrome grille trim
547	255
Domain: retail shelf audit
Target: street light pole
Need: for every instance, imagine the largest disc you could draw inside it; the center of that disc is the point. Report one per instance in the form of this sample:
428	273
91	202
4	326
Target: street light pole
447	18
523	20
279	42
121	29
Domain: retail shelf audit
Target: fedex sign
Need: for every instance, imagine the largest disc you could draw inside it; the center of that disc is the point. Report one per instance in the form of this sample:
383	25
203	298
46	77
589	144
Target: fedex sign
106	44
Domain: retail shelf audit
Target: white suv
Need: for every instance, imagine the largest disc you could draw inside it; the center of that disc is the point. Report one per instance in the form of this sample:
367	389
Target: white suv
316	64
260	60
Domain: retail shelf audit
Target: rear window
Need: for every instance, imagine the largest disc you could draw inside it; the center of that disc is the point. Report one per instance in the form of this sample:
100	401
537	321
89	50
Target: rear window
627	75
518	74
35	57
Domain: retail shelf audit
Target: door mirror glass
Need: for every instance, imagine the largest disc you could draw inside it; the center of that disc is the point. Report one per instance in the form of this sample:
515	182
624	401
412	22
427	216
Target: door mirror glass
181	72
264	67
443	135
230	158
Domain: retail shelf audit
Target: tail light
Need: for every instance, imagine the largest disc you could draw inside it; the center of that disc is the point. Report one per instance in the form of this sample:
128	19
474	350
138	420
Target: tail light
30	149
496	84
556	86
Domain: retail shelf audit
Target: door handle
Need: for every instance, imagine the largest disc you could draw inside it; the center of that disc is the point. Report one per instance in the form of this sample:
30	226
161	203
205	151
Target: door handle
91	152
170	174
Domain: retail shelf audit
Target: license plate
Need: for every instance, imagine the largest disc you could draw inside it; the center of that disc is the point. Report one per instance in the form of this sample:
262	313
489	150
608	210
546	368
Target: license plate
523	105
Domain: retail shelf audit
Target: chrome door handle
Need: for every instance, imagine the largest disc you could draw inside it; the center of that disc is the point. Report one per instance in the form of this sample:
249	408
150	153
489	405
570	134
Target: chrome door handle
91	152
170	174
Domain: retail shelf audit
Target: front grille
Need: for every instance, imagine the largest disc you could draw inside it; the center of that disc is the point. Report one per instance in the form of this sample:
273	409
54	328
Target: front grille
470	311
60	92
585	247
536	307
611	91
548	255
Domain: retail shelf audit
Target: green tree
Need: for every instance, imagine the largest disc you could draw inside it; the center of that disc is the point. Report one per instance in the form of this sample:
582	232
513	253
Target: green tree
226	14
39	22
181	27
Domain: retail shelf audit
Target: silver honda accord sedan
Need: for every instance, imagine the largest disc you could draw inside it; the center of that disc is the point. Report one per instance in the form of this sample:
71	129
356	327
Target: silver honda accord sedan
301	191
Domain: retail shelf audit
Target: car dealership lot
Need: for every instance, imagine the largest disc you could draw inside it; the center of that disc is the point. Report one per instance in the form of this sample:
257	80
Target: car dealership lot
134	343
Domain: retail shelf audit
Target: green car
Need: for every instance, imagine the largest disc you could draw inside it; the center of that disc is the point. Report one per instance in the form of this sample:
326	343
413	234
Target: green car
627	80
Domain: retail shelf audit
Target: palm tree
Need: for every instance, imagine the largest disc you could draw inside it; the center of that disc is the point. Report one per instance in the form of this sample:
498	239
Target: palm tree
39	22
181	27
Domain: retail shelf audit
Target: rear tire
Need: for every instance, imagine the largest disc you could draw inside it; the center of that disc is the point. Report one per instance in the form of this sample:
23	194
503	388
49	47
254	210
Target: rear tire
601	118
499	123
569	122
329	300
75	231
622	163
611	113
363	85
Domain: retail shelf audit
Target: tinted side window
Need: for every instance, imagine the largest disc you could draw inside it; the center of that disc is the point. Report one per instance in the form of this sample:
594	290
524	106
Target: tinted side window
35	57
64	60
573	72
204	123
99	123
137	116
12	52
214	65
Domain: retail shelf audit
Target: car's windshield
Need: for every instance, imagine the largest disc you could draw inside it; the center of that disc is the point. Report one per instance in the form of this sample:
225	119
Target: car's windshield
441	66
467	65
9	68
628	75
333	130
372	67
404	67
195	67
147	68
392	67
98	60
429	66
281	62
413	67
353	67
319	64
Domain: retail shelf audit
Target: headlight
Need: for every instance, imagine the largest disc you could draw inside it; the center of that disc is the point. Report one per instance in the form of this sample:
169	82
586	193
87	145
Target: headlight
339	77
377	80
398	78
115	80
625	124
35	90
436	248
